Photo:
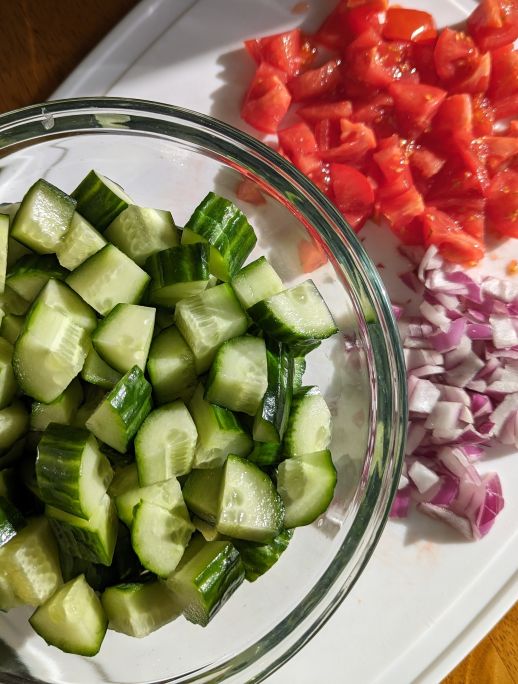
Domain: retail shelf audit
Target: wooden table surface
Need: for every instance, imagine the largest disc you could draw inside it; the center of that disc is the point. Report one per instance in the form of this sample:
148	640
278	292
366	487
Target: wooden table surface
42	41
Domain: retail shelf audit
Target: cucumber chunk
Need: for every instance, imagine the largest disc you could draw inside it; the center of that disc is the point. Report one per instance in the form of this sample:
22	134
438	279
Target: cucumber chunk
137	609
80	242
209	319
219	222
93	539
208	531
100	200
8	384
298	313
205	578
238	376
177	273
171	367
11	327
62	410
98	372
299	368
108	278
12	303
272	417
140	232
201	493
259	558
72	619
117	418
60	297
255	282
49	353
306	484
14	423
309	424
159	536
249	507
11	521
71	471
8	598
30	561
219	432
124	337
31	272
165	443
43	218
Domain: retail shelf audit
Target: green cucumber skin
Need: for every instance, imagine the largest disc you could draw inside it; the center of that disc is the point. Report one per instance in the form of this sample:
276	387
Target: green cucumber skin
43	267
226	228
265	453
299	368
180	264
276	404
91	196
11	521
259	558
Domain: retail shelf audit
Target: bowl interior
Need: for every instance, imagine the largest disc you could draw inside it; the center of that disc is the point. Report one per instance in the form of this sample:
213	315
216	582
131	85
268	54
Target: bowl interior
167	159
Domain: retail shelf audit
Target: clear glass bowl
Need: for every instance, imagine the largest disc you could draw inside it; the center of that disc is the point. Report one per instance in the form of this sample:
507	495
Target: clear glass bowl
167	157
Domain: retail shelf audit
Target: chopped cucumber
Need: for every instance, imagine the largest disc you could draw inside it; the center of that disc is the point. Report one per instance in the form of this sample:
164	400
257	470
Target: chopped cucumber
31	272
177	273
209	319
108	278
11	521
259	558
272	417
8	384
62	410
306	484
137	608
205	578
165	443
309	424
249	507
11	327
265	453
201	493
298	313
60	297
255	282
123	338
43	218
140	232
238	376
14	423
72	619
80	242
98	372
208	531
171	367
100	200
299	368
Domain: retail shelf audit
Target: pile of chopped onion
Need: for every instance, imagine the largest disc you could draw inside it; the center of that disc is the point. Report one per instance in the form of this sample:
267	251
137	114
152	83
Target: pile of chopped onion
462	363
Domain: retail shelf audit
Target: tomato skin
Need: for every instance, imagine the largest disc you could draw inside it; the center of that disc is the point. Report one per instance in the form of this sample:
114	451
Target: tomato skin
353	194
347	21
378	113
392	161
454	244
499	151
426	162
504	74
409	24
316	82
285	51
374	62
267	99
502	203
415	105
455	114
494	23
342	109
459	64
356	140
506	107
483	115
400	210
299	143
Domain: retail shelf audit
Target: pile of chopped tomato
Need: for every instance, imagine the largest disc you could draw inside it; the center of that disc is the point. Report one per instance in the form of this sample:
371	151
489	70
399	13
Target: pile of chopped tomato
401	122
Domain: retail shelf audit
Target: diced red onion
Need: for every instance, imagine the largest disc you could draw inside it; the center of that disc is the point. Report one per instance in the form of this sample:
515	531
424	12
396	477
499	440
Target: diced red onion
423	477
423	397
465	371
449	340
504	333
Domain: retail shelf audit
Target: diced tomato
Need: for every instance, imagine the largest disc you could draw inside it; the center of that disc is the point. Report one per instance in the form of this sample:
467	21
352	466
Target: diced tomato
459	64
483	116
455	114
504	73
356	140
247	191
472	221
498	151
454	179
392	160
426	162
371	61
415	105
422	60
327	134
409	24
267	99
454	244
299	143
469	152
311	256
347	21
502	203
506	107
494	23
378	113
512	129
316	82
341	109
289	51
321	178
353	194
399	210
378	4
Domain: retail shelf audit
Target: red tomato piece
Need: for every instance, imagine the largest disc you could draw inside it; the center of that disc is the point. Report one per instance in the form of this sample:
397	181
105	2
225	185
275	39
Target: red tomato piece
316	82
504	73
341	109
459	64
478	80
453	180
353	194
426	162
512	129
311	256
506	107
248	191
454	244
347	21
415	105
356	139
299	143
494	23
422	59
378	113
392	160
267	99
372	62
288	51
409	24
400	210
483	116
498	151
455	114
471	219
502	203
410	234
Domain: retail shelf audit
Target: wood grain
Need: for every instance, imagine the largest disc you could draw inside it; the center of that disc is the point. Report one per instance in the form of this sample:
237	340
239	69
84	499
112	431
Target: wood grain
42	41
